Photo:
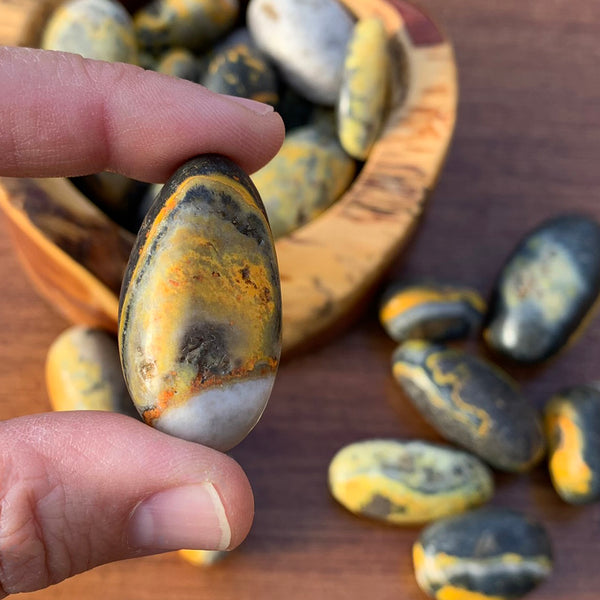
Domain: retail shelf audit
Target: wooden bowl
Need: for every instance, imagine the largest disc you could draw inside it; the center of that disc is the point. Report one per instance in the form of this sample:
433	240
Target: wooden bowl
330	266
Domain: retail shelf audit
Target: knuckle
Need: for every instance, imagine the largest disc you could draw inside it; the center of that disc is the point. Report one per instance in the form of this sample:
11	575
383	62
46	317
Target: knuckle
26	498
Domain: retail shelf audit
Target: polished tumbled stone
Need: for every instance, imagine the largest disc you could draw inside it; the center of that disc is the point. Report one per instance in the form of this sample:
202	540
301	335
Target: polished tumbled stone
484	554
545	290
364	89
307	40
240	69
200	316
471	403
179	62
431	311
309	173
203	558
572	421
83	372
98	29
406	482
192	24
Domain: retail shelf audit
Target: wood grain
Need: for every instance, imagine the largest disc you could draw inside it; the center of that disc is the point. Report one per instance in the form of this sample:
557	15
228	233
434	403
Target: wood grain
525	148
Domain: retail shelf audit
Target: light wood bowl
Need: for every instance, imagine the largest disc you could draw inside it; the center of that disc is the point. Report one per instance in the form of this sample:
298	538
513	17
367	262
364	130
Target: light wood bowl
330	267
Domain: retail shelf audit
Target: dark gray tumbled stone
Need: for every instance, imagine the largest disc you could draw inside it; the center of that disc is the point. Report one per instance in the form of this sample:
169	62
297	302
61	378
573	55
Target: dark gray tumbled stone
486	553
471	402
545	289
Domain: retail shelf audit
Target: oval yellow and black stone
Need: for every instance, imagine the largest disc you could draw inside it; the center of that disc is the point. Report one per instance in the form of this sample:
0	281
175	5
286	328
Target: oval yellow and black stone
572	422
179	62
193	24
242	70
98	29
545	290
484	554
83	372
363	93
407	482
471	402
430	311
308	174
200	312
202	558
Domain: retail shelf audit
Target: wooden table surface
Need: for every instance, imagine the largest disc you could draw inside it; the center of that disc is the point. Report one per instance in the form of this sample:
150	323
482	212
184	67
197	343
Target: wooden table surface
526	147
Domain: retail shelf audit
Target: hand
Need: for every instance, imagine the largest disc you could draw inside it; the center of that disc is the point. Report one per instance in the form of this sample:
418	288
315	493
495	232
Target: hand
80	489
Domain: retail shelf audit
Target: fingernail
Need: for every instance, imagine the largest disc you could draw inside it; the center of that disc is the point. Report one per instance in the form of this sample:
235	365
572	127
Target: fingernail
186	517
259	108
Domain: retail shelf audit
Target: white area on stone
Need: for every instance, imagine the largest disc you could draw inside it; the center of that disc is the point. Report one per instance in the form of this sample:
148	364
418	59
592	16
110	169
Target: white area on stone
308	41
219	417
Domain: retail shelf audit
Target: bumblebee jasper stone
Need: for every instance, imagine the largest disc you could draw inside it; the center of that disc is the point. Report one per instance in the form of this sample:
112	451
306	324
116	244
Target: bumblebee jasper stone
572	420
431	311
193	24
99	29
241	70
485	554
545	290
407	482
200	312
179	62
472	403
83	372
202	558
363	91
306	40
308	174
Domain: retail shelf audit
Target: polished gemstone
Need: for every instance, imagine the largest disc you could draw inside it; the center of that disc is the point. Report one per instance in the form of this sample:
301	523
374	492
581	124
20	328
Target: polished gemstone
471	402
406	482
200	316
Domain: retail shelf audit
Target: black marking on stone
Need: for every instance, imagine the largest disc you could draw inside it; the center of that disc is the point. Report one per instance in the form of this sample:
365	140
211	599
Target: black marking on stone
206	346
379	506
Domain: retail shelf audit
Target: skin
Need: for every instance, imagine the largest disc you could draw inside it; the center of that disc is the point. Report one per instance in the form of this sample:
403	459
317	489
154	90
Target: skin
67	495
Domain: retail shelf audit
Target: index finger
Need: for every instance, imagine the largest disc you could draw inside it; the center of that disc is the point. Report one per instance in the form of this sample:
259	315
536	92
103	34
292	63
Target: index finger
63	115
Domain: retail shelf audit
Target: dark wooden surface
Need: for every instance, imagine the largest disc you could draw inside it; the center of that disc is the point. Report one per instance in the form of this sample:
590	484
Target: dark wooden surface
526	147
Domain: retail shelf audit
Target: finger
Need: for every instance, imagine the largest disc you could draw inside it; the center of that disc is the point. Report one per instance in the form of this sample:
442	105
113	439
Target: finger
63	115
84	488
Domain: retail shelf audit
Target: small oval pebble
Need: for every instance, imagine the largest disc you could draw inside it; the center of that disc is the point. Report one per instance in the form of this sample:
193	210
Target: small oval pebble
200	314
202	558
83	372
241	70
98	29
545	290
307	40
485	554
363	91
179	62
407	482
572	420
472	403
192	24
308	174
431	311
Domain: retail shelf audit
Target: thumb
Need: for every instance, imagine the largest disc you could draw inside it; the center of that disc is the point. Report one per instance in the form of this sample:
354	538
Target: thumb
79	489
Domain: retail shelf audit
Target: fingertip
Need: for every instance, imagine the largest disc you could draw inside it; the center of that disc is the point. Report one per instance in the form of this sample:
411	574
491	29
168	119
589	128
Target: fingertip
236	495
139	123
126	490
268	138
